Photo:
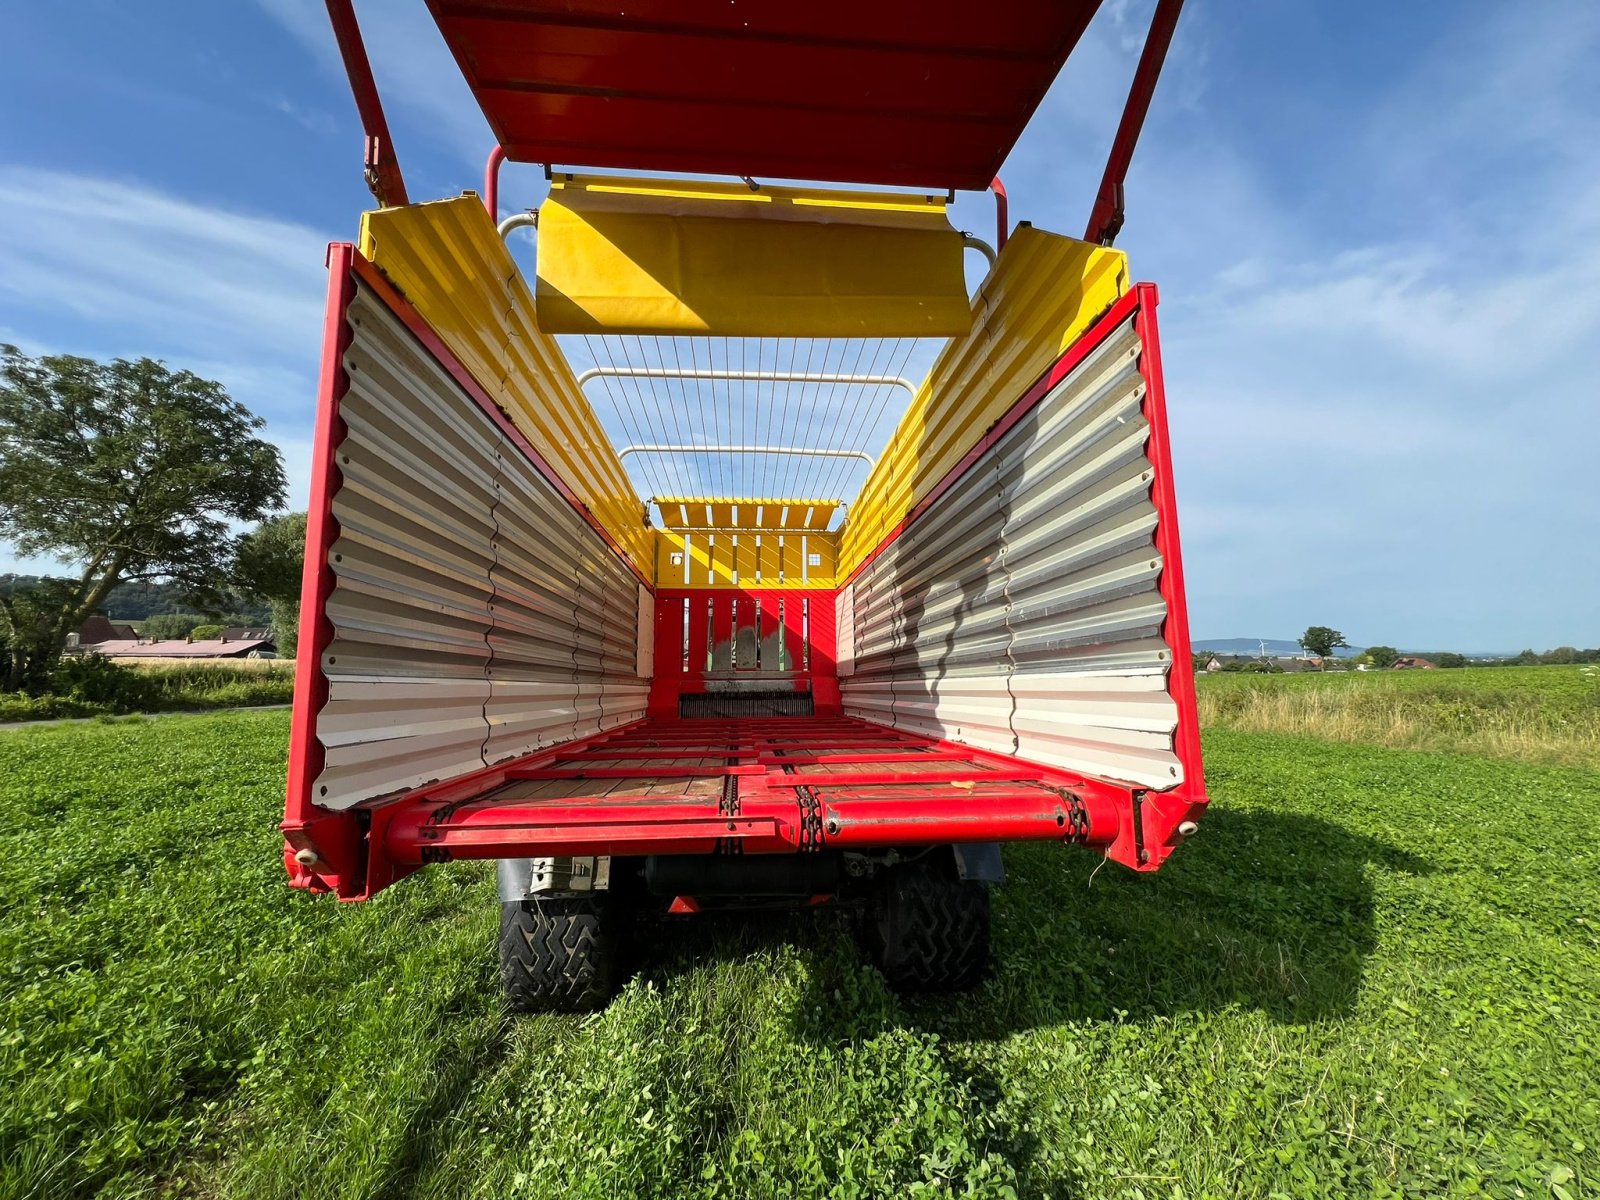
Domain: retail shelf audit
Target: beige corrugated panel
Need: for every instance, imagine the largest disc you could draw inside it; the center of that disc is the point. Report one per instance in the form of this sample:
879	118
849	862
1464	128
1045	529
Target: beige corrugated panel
1043	293
447	259
1020	613
476	615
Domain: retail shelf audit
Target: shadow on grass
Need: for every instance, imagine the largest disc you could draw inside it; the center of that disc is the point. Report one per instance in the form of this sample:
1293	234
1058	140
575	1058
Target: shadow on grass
1266	911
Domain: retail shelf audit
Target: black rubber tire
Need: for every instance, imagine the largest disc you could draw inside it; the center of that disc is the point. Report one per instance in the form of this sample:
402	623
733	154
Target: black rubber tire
926	929
561	954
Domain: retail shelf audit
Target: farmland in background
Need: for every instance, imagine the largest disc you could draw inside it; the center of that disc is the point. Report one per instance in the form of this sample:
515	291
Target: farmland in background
1536	714
1370	974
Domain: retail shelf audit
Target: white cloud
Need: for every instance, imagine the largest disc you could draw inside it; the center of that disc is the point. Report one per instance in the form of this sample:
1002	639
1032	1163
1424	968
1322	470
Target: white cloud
423	92
109	268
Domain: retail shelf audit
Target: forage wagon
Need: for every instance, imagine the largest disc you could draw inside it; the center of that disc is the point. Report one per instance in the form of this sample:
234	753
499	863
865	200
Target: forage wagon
769	541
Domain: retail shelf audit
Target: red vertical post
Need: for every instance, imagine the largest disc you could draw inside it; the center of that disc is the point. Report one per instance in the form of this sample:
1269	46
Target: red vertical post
328	841
1164	812
1002	214
491	182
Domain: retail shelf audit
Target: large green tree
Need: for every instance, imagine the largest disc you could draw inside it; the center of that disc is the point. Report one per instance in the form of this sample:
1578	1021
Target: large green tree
270	560
127	470
1383	656
1322	641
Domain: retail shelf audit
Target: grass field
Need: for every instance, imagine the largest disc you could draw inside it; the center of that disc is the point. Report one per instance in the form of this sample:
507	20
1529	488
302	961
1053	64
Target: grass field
1536	714
1371	974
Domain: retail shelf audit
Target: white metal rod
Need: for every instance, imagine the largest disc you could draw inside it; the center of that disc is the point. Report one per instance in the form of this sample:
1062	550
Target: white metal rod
765	376
799	451
517	221
982	247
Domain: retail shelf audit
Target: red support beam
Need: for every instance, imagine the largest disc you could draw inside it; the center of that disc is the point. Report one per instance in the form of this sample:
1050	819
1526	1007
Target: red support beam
491	182
1106	218
1002	214
382	167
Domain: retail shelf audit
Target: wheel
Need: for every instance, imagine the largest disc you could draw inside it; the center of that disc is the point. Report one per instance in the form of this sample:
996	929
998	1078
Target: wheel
926	929
560	954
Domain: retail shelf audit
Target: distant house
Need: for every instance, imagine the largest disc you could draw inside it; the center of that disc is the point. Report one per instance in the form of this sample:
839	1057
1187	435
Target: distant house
1413	664
237	642
101	628
1213	665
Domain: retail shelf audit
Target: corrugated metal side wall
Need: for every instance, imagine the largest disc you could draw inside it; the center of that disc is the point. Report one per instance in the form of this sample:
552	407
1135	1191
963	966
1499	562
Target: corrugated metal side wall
1042	294
448	261
476	615
1021	613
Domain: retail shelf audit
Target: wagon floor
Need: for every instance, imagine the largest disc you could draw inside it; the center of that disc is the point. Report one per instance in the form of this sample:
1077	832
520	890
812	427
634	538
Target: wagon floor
707	759
753	784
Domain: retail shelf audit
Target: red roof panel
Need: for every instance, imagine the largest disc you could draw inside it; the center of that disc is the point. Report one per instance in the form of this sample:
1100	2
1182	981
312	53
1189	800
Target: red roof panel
923	93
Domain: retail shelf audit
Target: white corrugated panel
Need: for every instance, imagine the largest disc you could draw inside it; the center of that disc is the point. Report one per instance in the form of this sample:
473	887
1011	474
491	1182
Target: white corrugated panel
476	616
844	618
1020	613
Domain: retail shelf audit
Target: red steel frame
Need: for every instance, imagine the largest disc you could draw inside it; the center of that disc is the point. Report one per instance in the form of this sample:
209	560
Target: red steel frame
809	651
871	798
382	165
1105	219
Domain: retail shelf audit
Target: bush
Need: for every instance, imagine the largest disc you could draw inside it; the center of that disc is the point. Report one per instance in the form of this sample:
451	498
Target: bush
93	685
94	679
204	633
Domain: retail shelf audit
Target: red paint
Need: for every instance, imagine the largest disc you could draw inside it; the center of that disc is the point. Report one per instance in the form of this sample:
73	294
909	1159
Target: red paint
491	182
382	166
969	795
928	95
685	658
332	836
1166	810
1105	220
1002	214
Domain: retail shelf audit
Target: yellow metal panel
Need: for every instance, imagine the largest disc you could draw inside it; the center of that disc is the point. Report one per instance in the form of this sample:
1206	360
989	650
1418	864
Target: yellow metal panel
1045	291
770	565
780	560
711	512
645	256
450	263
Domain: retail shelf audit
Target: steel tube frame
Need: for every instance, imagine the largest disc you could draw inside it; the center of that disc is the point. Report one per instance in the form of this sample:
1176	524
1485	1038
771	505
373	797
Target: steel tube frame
382	167
757	376
491	182
1105	219
794	451
1002	213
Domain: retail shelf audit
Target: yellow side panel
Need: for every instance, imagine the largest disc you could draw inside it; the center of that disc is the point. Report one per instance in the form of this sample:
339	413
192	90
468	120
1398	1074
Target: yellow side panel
1045	291
749	559
450	263
642	256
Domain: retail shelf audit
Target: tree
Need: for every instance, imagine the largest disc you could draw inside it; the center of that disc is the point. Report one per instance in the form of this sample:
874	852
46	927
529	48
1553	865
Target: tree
1380	656
1449	660
1322	641
170	626
128	471
270	561
28	614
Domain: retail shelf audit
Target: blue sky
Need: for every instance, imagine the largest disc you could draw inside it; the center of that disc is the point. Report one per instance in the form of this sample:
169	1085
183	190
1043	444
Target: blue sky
1376	228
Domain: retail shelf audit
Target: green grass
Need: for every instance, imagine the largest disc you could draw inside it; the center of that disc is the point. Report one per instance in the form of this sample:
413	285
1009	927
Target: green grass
1371	973
1536	714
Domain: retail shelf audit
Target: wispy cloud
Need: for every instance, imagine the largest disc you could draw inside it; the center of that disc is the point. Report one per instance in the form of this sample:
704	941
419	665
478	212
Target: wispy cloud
415	71
109	268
